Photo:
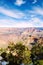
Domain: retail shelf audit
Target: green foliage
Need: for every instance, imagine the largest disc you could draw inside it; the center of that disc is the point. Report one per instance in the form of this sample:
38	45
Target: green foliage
17	54
11	46
36	53
41	62
37	49
2	50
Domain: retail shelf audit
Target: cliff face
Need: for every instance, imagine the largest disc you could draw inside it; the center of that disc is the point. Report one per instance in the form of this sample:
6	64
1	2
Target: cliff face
27	35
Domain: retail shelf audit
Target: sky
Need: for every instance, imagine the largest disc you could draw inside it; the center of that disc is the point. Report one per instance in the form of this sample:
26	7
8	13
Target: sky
21	13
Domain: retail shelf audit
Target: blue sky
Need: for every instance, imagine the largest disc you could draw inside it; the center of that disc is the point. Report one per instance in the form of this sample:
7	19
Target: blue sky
21	13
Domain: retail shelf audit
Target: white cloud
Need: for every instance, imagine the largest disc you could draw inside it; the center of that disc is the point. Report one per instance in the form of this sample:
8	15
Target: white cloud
34	1
6	22
39	10
13	23
15	14
19	2
36	11
34	22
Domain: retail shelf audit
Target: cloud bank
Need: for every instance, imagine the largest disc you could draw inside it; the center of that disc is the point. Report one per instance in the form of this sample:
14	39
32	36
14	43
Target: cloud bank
20	19
15	14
